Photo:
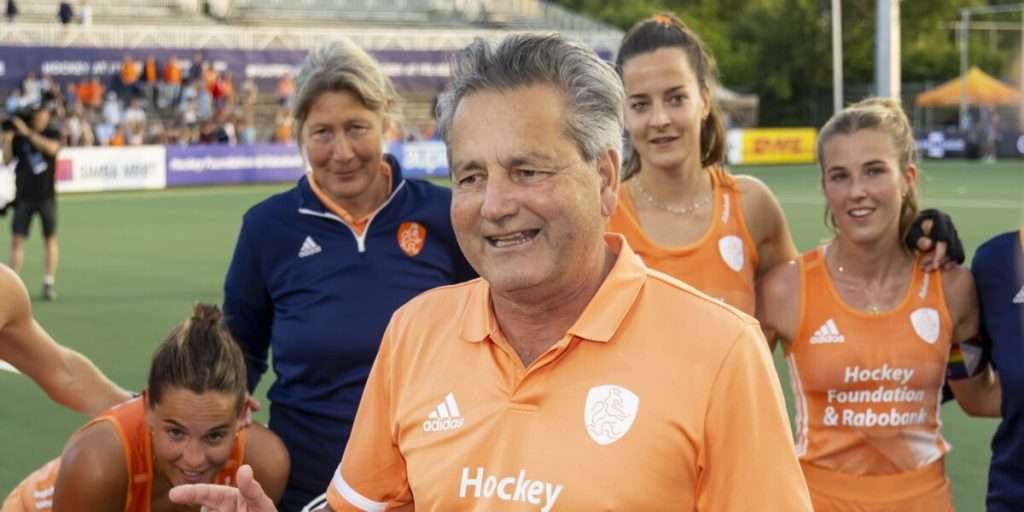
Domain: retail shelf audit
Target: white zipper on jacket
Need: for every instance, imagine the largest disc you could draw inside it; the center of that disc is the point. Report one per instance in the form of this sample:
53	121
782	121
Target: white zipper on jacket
360	239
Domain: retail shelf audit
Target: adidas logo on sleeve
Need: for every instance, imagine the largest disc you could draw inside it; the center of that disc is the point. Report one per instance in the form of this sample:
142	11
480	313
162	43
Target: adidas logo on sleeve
827	333
444	417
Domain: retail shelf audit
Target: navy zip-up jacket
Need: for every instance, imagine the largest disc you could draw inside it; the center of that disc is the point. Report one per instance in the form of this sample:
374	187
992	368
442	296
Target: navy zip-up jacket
305	286
998	268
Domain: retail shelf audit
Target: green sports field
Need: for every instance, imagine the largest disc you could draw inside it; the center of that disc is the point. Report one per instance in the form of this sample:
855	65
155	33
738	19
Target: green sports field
133	262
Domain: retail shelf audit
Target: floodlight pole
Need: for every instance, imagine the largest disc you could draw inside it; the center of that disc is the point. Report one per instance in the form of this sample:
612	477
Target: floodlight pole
837	55
887	48
965	20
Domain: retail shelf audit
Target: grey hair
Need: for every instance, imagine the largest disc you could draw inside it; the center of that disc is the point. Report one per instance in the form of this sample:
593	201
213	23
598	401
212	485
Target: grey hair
594	94
341	66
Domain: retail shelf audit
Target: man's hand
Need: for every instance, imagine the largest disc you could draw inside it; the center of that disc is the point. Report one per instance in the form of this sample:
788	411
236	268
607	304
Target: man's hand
935	236
247	497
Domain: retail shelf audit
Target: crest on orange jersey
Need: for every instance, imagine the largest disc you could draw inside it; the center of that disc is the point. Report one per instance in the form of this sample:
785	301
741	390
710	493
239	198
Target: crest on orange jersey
411	236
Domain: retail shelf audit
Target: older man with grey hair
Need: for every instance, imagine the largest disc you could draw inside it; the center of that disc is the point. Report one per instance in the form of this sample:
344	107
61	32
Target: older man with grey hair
569	377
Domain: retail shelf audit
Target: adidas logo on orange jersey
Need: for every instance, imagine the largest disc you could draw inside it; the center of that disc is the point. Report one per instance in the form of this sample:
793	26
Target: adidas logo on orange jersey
827	333
1019	298
444	417
309	248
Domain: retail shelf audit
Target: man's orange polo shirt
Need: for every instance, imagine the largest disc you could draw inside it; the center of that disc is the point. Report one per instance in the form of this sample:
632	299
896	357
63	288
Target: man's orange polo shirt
659	397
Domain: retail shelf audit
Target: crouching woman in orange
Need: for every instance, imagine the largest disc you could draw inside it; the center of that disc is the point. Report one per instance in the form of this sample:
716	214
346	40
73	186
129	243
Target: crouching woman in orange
867	334
185	429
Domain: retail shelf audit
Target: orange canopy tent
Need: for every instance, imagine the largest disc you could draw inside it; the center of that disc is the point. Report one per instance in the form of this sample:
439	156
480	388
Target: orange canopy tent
979	89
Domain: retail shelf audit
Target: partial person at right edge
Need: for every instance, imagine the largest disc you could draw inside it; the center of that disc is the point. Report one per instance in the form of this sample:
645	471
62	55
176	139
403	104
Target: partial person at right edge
35	148
318	270
998	268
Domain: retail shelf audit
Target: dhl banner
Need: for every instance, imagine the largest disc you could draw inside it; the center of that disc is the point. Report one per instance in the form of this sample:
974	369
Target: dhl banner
754	146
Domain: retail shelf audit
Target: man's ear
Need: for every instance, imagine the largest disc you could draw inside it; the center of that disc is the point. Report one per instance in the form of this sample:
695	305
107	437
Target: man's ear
609	164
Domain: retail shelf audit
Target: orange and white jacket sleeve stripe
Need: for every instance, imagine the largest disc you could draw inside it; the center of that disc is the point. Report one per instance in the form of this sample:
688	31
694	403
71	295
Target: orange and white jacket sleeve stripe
372	473
749	462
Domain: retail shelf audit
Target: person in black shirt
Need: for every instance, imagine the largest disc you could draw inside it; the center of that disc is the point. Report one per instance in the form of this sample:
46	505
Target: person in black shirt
35	148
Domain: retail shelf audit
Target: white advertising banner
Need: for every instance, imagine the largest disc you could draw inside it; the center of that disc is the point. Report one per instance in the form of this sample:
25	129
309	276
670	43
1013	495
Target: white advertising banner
103	168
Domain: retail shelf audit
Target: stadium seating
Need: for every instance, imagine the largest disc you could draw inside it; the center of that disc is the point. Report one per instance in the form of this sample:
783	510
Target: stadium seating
112	12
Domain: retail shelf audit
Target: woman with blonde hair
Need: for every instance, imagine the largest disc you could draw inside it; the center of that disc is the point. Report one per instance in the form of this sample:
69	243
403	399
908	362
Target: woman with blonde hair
319	269
867	334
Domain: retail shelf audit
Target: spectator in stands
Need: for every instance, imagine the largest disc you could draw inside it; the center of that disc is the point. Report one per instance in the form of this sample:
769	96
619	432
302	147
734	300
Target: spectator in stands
282	126
209	76
12	11
104	132
118	139
204	102
155	133
135	123
250	92
70	95
188	92
189	112
65	13
135	115
195	70
34	145
15	101
85	13
318	270
170	88
32	87
129	77
150	75
90	92
75	130
48	87
223	91
226	121
246	128
212	133
111	109
285	89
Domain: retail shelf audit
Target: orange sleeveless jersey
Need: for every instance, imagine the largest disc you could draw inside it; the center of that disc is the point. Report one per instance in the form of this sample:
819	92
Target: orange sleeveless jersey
35	493
867	386
720	264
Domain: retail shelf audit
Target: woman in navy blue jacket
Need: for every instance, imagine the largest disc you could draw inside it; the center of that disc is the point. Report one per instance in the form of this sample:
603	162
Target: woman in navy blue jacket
318	270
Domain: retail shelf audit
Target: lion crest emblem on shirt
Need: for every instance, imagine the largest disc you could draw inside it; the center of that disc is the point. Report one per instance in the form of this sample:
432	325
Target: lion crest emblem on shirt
411	237
609	413
926	324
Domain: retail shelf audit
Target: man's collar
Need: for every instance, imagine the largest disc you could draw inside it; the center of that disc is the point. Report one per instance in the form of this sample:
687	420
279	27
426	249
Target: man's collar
599	320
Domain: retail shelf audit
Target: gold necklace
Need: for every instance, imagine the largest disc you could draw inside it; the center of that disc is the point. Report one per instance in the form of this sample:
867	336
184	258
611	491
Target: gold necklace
872	307
677	210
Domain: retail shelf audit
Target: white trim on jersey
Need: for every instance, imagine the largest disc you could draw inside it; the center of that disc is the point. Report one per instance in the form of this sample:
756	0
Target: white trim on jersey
352	496
800	401
316	504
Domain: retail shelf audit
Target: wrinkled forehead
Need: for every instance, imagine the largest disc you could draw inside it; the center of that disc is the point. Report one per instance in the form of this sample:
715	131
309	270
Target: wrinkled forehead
525	119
